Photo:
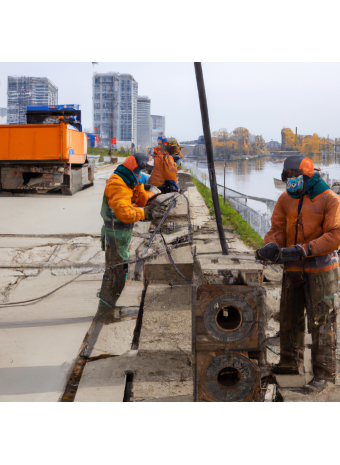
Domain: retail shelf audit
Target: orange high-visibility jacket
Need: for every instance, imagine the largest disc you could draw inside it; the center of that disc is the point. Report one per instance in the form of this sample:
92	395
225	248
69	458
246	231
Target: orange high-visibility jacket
120	197
165	169
320	218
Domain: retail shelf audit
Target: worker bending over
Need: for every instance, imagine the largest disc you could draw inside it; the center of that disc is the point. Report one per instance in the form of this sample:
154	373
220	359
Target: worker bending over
305	236
166	164
123	205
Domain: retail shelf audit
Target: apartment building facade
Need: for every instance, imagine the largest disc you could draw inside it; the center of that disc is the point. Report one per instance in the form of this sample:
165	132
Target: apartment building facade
115	108
25	90
143	121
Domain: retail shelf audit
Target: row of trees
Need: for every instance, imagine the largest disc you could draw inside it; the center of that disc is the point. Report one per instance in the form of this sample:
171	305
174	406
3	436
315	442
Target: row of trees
237	142
307	145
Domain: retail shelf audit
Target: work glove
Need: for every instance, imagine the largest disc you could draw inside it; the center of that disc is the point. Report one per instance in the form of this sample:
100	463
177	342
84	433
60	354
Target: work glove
292	254
270	252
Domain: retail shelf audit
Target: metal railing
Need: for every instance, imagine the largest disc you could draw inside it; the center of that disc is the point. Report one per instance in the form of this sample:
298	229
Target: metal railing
259	222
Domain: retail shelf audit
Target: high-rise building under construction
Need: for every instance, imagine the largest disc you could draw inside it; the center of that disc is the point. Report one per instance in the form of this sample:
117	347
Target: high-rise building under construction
25	90
143	122
115	108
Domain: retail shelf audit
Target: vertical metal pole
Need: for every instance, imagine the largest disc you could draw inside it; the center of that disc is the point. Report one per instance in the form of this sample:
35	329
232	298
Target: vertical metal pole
224	184
210	154
295	138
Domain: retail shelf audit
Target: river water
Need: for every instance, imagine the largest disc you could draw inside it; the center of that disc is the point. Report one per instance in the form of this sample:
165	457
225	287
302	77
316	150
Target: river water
256	177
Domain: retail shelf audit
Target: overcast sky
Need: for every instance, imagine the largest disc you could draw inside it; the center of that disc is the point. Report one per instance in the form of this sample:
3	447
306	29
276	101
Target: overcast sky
263	97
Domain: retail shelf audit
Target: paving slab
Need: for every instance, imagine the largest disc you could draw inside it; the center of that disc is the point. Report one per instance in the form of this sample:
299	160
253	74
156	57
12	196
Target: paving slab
167	318
155	378
114	338
100	382
35	361
41	340
131	294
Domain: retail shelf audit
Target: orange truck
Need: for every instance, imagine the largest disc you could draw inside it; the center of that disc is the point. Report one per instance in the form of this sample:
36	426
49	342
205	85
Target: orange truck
49	153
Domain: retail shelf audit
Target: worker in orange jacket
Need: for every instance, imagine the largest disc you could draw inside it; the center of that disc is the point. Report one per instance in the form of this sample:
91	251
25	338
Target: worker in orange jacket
305	237
123	205
164	173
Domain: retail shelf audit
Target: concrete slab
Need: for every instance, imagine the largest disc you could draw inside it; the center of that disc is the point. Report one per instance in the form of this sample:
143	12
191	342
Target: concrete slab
159	269
40	341
131	295
330	394
36	286
162	377
167	317
54	214
34	361
101	382
199	212
155	378
75	300
114	338
293	380
181	208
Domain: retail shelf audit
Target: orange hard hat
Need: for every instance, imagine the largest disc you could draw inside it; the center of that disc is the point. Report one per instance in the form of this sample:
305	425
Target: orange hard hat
130	162
297	165
307	167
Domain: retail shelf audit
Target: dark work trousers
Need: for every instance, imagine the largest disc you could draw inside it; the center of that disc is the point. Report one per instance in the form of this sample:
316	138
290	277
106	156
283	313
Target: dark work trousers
114	278
321	325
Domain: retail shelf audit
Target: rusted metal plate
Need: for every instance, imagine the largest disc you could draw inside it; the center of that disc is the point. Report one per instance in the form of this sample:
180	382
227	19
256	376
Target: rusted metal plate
227	376
229	317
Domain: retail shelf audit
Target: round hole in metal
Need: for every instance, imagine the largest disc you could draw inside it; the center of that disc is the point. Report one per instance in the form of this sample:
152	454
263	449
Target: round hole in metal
228	377
228	318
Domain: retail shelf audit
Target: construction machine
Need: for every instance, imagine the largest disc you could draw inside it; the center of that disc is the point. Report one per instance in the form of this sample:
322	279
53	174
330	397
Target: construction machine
49	153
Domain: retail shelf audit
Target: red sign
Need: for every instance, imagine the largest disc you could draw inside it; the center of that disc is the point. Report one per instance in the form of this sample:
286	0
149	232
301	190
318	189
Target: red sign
114	141
95	129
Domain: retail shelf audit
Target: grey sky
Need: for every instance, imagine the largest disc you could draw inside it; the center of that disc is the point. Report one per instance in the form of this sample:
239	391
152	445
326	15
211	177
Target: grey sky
263	97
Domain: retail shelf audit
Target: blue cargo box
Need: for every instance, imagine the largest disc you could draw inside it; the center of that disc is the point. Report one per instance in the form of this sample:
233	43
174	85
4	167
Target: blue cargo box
54	108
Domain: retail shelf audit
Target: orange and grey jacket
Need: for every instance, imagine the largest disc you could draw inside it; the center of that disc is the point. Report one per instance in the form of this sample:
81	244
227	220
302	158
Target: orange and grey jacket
317	225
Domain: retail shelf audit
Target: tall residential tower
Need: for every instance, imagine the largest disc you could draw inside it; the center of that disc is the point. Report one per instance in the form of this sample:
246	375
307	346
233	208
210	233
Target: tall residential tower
143	122
115	108
23	91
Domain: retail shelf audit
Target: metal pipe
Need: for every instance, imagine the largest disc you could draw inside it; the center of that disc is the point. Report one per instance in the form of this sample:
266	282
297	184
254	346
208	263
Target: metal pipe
210	154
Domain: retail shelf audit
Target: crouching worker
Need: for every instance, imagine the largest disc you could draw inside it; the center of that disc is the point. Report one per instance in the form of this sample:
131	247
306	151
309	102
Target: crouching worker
305	237
123	205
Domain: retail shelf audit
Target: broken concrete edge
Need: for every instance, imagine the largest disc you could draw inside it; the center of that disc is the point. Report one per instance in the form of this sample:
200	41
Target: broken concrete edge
82	348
